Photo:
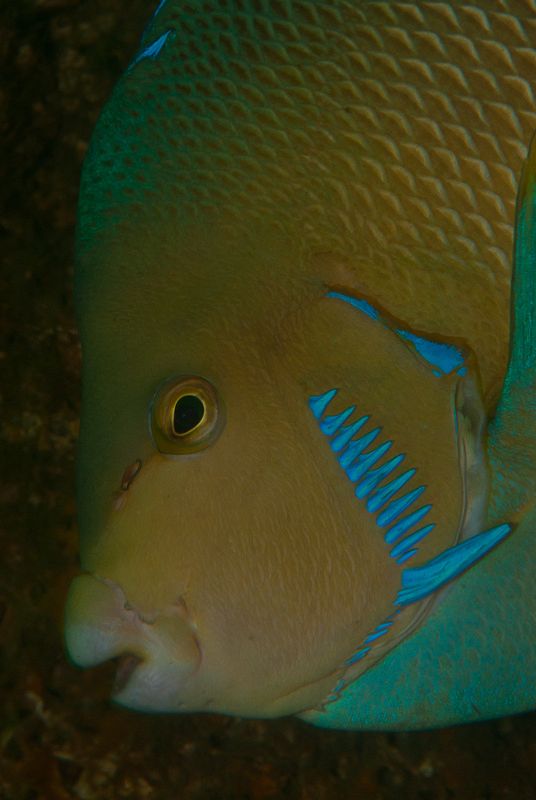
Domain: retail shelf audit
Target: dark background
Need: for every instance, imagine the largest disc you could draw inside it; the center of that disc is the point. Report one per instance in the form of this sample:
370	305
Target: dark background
59	736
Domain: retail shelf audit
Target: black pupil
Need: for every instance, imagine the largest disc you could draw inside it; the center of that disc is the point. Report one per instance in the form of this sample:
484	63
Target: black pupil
188	413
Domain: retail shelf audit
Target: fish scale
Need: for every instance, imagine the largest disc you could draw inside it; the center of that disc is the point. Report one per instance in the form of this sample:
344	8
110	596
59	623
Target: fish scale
398	130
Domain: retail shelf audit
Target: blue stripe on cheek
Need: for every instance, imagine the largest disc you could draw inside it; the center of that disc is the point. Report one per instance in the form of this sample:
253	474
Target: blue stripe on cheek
319	403
356	447
380	631
375	476
359	464
419	582
395	508
405	524
342	439
357	656
402	547
331	425
380	497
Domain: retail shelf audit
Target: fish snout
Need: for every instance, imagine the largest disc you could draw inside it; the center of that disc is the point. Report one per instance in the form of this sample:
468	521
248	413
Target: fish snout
157	651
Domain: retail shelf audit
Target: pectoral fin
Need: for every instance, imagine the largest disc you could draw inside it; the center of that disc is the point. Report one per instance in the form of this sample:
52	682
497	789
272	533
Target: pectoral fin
420	582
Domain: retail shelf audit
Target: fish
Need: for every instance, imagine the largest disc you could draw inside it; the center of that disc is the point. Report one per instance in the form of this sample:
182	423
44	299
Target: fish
306	290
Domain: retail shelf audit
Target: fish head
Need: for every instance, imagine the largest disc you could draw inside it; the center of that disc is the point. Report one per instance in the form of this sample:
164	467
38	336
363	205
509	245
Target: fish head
227	563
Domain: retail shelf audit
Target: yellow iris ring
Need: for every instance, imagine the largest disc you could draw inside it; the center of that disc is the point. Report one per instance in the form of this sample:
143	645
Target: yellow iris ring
165	437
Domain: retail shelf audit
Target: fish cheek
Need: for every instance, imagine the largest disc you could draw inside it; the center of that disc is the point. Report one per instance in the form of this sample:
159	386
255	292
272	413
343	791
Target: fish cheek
282	570
270	590
285	587
408	402
370	379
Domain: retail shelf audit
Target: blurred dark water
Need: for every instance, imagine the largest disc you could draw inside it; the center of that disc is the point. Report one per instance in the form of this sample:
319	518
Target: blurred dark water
59	736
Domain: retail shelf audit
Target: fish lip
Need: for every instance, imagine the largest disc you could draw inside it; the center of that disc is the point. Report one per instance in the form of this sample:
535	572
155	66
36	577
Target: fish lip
157	652
127	664
141	685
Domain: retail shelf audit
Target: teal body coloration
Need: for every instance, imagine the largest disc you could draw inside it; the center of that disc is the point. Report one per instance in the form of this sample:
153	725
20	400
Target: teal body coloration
473	659
307	461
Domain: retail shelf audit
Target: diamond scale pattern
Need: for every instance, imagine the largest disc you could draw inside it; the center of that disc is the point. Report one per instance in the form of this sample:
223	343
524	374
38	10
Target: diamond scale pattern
392	133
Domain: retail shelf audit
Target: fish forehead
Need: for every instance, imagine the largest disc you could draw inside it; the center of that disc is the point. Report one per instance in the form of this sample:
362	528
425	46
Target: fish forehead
154	276
389	133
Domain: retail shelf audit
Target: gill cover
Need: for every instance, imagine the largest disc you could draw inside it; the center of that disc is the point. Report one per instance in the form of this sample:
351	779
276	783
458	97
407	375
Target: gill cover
475	658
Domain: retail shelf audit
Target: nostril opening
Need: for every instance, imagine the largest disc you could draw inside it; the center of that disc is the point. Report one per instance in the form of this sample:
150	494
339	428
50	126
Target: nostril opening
129	474
126	664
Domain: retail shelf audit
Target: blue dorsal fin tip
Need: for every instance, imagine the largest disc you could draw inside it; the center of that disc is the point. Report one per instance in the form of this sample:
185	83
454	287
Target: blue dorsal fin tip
153	50
320	402
420	582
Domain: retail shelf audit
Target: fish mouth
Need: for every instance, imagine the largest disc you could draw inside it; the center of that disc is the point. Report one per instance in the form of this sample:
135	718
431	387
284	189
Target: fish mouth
156	653
126	666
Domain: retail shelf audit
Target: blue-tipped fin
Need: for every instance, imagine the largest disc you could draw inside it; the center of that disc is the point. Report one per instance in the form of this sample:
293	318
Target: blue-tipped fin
420	582
153	50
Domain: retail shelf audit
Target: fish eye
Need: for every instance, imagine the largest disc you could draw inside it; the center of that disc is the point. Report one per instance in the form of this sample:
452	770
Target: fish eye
185	415
188	413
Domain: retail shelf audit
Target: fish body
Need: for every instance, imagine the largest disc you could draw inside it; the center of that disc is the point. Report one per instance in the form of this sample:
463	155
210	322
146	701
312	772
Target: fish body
306	467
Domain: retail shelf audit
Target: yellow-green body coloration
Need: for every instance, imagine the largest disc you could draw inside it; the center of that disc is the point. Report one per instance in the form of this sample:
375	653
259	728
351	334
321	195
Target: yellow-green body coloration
255	157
